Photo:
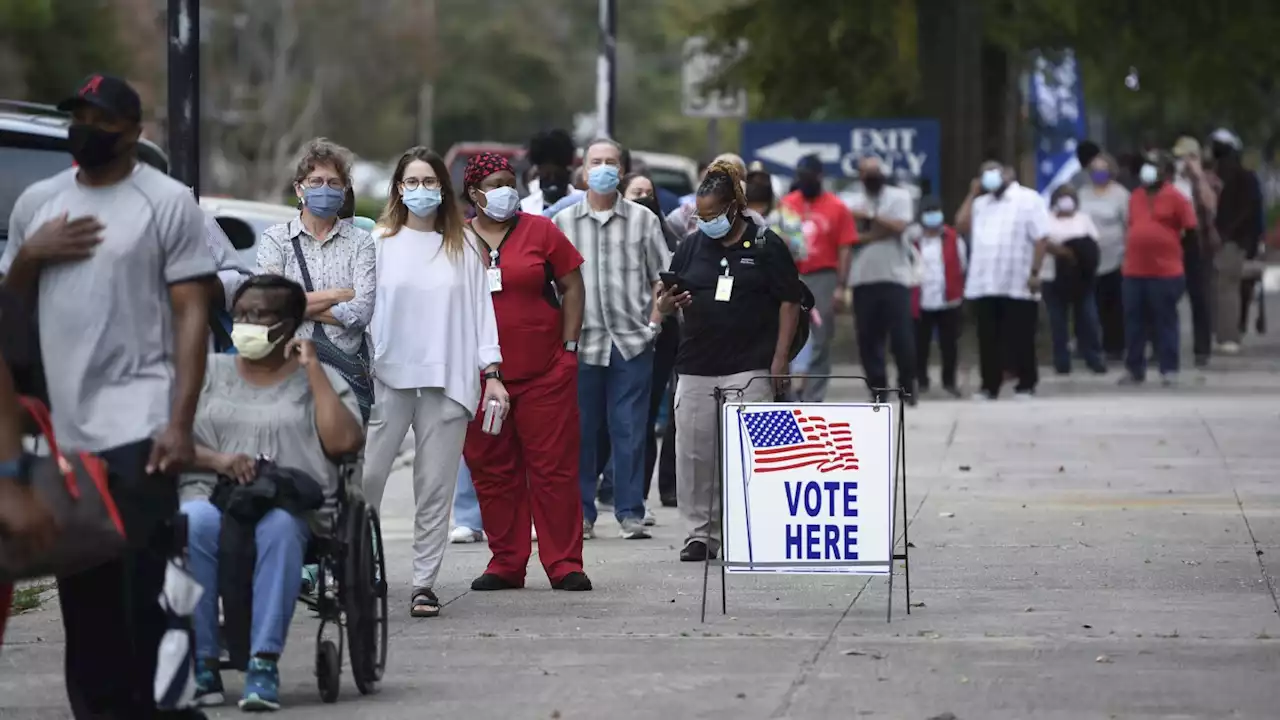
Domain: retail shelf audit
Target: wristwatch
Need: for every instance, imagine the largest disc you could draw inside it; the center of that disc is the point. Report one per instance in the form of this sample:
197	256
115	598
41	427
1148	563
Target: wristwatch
571	346
493	375
655	328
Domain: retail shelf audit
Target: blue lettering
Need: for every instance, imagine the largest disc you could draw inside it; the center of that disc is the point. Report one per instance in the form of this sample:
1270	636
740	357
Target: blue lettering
793	501
812	498
813	542
850	542
832	533
832	487
850	500
793	541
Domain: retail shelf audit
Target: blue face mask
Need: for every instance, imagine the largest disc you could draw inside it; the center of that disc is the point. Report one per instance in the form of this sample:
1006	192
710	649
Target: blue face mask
717	228
603	178
324	202
992	179
421	201
932	219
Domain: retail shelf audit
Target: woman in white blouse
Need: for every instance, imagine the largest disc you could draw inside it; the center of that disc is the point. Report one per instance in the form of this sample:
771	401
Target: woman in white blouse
435	340
1069	279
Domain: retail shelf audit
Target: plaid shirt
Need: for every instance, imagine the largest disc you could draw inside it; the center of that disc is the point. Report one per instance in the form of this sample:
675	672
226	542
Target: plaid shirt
346	258
1003	239
623	252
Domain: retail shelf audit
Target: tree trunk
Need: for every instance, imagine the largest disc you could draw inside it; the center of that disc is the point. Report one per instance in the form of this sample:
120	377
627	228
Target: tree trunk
950	51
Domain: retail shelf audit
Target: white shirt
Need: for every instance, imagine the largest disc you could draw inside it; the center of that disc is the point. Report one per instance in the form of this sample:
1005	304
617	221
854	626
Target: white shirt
933	268
535	204
433	323
1003	236
1062	229
887	260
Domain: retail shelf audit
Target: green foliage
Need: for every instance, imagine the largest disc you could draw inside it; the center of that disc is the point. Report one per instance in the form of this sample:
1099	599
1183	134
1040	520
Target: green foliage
47	46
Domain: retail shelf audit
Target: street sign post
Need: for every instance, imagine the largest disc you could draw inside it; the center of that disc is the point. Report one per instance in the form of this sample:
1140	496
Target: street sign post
701	67
908	147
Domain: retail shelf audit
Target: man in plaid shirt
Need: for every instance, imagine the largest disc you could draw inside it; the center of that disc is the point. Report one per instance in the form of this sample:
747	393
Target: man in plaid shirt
1005	222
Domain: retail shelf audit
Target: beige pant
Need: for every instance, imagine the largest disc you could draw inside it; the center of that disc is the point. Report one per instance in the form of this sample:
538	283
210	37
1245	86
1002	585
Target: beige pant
697	480
1228	271
439	428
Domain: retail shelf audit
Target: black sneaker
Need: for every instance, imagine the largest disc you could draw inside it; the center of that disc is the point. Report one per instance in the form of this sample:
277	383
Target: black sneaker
573	582
490	582
669	502
696	551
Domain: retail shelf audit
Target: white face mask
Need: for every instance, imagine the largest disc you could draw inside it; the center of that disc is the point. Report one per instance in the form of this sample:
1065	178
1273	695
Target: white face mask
501	202
253	342
1149	175
1066	205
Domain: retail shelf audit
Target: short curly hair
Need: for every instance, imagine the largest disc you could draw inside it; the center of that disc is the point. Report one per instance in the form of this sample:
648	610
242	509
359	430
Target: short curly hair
322	151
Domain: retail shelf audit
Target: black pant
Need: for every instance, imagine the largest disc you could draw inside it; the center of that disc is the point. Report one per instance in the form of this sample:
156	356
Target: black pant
1197	266
947	324
1111	313
664	363
1007	339
111	616
667	460
883	310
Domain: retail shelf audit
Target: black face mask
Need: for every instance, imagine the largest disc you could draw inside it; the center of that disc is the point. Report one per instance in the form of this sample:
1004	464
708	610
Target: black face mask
873	183
809	187
93	147
650	202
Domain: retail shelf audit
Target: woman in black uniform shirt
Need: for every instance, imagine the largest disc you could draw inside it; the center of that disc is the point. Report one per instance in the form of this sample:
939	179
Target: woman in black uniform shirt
740	294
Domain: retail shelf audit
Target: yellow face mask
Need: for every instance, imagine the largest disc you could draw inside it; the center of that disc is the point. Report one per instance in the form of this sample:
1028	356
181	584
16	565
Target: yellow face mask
253	342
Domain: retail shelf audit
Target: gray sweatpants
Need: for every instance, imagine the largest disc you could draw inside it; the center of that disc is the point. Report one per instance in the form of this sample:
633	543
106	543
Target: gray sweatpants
697	484
439	429
823	286
1228	271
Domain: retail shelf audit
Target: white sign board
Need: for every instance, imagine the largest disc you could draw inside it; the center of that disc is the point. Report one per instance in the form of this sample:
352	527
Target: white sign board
808	488
700	70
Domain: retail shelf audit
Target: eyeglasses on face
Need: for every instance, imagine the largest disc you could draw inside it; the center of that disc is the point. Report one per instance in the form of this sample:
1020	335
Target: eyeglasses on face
429	183
316	183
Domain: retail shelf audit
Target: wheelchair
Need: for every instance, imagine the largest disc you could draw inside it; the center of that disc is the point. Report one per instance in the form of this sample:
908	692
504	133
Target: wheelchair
349	596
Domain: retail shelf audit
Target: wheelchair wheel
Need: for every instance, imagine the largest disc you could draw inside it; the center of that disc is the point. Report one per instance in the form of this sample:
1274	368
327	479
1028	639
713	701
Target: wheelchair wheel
328	671
365	600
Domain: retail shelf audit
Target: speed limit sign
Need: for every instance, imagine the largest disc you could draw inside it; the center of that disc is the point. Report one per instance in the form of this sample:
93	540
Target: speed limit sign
700	71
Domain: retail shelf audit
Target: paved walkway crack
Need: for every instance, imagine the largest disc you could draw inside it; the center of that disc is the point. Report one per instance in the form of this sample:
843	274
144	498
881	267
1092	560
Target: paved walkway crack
807	665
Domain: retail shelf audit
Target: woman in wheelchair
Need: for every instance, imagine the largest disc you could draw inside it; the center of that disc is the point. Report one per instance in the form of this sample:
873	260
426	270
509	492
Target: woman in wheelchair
272	399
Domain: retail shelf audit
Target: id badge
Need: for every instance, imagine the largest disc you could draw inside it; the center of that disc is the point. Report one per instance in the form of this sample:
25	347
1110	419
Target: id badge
495	279
724	288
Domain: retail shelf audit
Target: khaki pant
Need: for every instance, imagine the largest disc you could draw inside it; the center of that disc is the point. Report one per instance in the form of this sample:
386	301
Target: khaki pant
697	481
1228	271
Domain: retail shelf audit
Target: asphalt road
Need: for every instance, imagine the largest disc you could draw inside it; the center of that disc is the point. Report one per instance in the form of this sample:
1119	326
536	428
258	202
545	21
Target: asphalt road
1085	554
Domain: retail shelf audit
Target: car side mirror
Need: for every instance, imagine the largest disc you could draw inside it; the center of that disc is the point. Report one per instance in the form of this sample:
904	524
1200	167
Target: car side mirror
242	236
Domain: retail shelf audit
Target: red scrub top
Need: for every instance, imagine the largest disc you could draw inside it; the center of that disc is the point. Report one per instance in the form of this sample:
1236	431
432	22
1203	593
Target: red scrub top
530	332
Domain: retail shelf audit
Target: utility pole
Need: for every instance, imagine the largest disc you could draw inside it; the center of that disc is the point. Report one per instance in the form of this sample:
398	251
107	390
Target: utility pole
606	69
184	92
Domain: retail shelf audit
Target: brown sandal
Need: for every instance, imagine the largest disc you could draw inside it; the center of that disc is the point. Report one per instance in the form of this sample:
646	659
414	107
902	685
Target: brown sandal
424	604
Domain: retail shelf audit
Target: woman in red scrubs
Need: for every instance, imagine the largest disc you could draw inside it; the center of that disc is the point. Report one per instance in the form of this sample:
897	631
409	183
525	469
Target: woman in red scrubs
531	466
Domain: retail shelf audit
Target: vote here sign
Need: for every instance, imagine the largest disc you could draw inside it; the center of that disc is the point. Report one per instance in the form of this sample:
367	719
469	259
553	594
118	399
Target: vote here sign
808	488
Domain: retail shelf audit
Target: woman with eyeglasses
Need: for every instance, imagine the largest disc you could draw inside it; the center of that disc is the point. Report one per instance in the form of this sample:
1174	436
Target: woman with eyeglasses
434	338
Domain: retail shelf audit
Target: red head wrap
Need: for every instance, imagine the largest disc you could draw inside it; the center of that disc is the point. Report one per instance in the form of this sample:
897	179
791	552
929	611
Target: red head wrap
482	166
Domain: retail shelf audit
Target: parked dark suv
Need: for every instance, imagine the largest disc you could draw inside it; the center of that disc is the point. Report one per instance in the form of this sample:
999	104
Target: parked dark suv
33	146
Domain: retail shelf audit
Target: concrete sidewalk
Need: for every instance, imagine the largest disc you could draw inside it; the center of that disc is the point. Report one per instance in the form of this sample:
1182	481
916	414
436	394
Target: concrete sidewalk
1085	554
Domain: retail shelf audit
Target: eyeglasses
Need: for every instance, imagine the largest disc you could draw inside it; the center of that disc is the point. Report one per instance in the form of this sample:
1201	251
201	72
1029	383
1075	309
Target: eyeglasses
316	183
415	183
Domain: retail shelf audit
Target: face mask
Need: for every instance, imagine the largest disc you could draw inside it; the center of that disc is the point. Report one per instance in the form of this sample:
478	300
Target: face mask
1066	205
501	202
1149	175
992	179
92	147
873	183
810	188
603	178
421	201
1100	177
650	202
717	228
323	202
931	219
253	341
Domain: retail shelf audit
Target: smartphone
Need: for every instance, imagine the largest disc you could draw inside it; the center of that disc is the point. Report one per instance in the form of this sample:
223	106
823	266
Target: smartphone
670	279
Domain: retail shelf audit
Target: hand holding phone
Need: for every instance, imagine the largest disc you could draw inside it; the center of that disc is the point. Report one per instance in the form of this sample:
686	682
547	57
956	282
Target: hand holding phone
670	280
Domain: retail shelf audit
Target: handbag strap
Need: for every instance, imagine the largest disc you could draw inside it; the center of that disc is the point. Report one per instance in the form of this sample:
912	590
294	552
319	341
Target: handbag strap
40	414
302	264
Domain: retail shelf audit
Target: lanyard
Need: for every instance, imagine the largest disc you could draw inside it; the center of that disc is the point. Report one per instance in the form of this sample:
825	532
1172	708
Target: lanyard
493	251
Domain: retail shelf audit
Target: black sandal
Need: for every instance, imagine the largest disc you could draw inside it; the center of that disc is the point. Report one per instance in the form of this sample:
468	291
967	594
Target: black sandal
424	604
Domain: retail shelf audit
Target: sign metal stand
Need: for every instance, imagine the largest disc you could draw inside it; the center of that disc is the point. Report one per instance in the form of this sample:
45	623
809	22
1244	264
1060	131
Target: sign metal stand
899	491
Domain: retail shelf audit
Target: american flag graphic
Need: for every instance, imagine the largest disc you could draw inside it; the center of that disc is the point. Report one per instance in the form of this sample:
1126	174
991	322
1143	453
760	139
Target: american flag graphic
790	439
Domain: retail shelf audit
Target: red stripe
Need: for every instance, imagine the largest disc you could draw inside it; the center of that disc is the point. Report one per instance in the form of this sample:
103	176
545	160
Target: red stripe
788	449
806	463
788	458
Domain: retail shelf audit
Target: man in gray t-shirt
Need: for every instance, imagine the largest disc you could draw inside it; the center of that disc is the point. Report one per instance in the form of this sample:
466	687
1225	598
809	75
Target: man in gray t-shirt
882	274
111	254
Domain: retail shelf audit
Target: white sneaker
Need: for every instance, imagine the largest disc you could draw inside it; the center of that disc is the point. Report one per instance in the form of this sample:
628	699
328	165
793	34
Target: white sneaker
1229	348
588	530
465	535
649	518
633	529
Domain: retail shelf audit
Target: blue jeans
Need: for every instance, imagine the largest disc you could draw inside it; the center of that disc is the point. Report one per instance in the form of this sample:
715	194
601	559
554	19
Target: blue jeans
466	508
281	542
615	397
1151	311
1083	310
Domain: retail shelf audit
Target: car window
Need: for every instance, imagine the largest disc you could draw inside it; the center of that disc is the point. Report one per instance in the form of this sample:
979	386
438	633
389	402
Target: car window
20	167
673	180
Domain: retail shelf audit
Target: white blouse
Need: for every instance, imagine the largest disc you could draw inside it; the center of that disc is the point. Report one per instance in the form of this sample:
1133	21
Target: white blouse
1062	229
433	322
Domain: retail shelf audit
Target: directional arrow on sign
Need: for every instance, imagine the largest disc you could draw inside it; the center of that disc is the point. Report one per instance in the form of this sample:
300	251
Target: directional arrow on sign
787	153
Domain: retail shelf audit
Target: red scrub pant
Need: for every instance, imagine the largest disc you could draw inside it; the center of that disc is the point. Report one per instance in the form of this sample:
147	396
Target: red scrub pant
532	462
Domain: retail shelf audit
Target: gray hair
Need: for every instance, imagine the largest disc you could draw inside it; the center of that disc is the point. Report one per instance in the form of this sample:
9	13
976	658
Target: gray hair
322	151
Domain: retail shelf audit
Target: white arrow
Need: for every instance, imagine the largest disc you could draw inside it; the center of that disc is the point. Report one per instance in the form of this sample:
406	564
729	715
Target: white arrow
787	153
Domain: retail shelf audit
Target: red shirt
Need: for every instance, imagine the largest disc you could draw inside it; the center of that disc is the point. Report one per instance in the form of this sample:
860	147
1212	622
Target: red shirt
827	226
529	326
1153	247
